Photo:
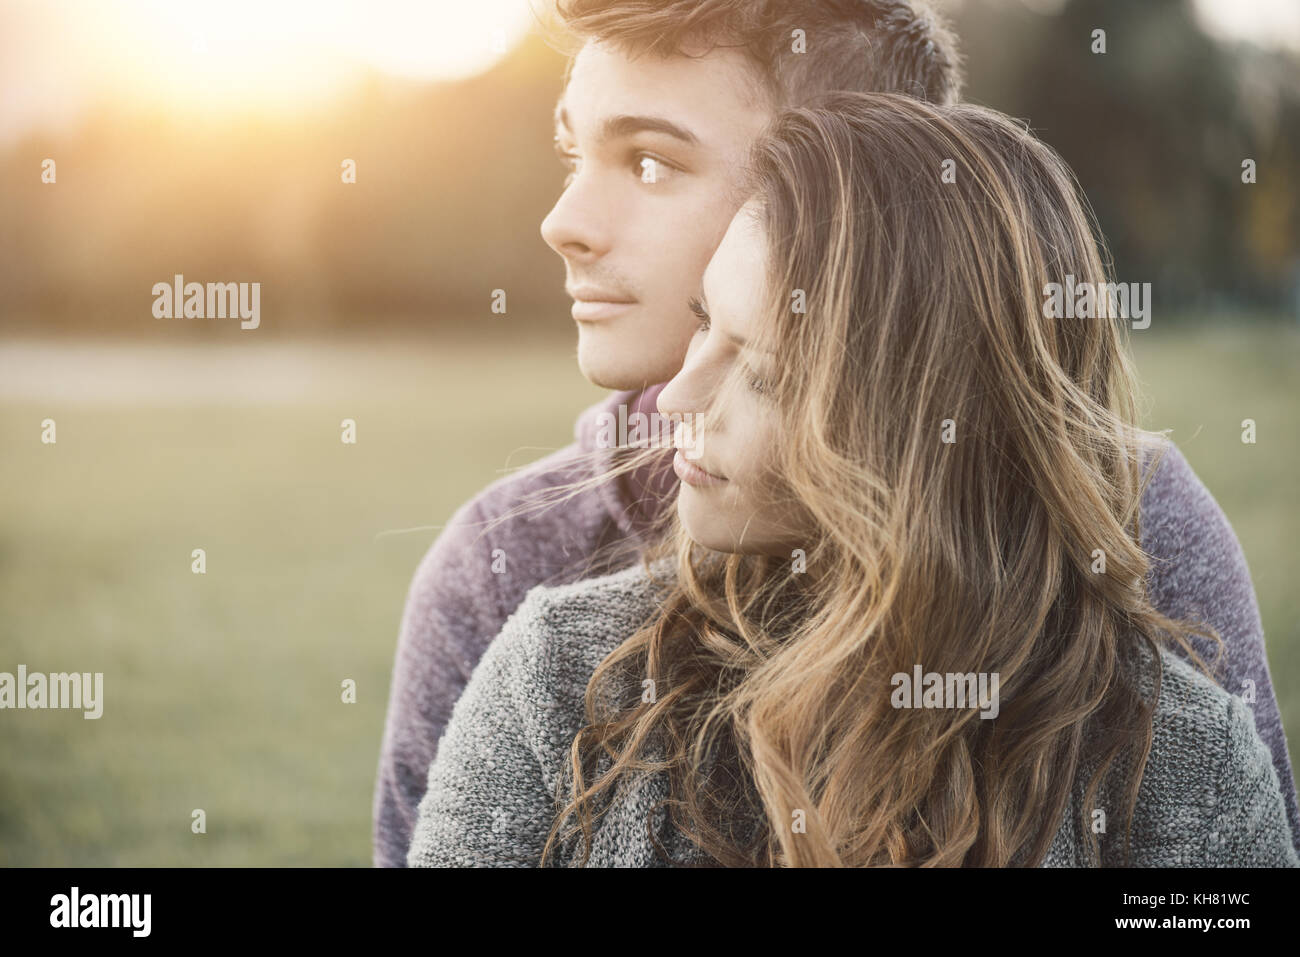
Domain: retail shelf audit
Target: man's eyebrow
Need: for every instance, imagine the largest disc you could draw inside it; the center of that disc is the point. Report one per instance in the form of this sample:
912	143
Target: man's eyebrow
626	124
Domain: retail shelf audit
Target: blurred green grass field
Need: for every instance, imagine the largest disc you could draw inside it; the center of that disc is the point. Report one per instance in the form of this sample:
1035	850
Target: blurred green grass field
222	691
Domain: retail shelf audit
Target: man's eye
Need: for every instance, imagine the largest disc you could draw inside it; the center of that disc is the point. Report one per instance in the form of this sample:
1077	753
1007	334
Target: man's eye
650	169
569	161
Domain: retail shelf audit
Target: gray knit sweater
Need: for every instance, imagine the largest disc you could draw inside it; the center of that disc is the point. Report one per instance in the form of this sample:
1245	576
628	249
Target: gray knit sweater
461	596
1209	794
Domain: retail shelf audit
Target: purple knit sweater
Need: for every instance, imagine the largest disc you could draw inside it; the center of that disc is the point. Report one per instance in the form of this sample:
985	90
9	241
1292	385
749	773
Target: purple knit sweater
457	602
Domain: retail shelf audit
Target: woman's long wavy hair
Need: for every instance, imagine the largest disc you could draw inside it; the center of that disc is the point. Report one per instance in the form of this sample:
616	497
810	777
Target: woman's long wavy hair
971	471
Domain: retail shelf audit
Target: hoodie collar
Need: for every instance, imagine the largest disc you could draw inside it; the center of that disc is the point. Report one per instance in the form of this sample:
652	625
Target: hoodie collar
629	499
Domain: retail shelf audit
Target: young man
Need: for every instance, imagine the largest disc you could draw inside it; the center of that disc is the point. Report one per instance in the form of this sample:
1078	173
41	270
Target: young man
662	103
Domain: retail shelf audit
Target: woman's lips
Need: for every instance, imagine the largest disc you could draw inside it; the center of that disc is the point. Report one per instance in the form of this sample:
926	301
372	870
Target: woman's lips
693	475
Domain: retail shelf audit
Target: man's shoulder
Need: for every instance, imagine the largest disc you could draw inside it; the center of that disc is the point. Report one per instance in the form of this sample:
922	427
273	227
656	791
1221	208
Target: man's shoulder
551	505
1198	567
533	526
1178	511
505	494
1174	484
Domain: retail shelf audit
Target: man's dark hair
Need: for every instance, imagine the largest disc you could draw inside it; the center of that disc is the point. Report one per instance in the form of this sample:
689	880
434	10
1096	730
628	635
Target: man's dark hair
872	46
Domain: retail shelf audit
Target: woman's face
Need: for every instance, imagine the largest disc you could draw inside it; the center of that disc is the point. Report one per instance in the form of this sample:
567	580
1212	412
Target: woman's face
730	499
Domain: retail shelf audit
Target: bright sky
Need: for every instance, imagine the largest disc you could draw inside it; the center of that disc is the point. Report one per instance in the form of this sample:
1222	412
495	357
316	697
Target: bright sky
1266	22
236	55
233	54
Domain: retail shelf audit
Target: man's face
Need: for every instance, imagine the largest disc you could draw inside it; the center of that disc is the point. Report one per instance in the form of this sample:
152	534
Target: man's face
654	146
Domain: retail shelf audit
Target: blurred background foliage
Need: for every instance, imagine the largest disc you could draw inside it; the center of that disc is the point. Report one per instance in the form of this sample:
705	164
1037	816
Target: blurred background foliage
454	179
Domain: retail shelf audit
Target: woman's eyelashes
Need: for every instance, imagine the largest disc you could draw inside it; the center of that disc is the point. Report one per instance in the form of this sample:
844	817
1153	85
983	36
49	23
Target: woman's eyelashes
755	381
697	307
759	385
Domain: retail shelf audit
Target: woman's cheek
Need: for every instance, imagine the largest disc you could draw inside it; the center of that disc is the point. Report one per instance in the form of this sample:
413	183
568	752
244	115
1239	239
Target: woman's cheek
757	447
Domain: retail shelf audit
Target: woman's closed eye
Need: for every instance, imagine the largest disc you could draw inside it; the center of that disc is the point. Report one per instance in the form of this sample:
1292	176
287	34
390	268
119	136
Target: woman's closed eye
697	307
756	381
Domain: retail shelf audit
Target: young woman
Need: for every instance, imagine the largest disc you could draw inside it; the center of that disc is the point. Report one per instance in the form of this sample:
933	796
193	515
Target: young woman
899	616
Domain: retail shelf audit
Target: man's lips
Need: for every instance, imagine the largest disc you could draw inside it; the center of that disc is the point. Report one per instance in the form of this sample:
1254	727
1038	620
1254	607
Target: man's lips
591	303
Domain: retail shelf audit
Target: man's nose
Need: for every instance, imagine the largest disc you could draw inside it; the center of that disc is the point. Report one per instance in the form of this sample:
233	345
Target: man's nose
577	225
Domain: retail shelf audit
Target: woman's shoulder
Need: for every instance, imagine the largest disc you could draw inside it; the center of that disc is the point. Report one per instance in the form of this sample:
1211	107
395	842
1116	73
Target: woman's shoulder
1194	718
608	606
538	666
637	584
1209	792
562	632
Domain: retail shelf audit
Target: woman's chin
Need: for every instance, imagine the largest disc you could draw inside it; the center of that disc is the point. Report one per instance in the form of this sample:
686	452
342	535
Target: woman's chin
712	527
702	523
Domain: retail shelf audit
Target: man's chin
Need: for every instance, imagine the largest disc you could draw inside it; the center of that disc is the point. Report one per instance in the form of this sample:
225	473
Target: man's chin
619	366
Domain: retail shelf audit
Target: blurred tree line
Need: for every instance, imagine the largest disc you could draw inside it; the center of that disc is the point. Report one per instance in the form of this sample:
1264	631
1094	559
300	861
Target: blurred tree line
453	181
1156	129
